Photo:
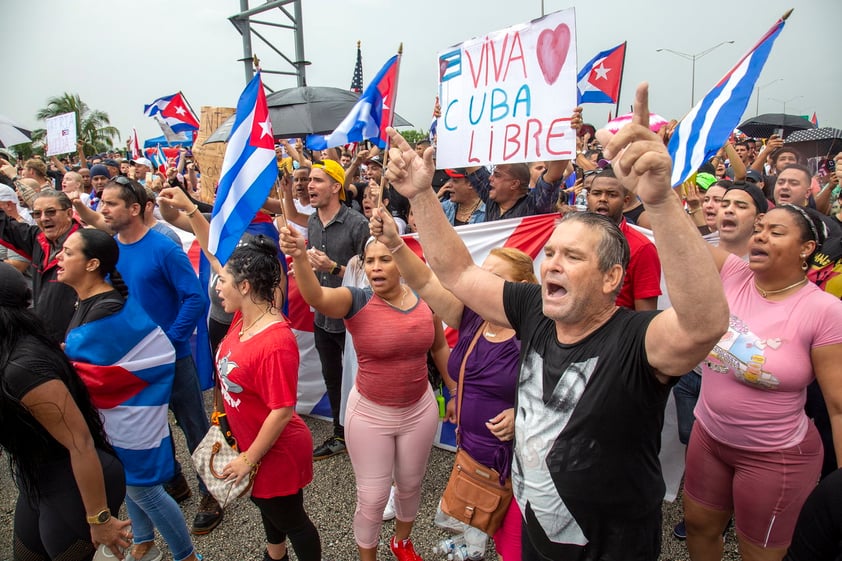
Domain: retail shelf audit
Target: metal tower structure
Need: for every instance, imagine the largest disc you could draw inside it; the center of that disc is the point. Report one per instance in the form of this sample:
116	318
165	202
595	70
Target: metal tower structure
250	27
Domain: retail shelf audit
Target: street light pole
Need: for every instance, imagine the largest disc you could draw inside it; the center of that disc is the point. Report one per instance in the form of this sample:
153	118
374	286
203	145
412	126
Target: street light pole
757	107
785	101
692	58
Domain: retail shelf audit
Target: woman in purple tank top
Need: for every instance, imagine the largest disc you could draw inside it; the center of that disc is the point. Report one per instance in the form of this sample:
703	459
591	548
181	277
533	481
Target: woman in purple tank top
491	369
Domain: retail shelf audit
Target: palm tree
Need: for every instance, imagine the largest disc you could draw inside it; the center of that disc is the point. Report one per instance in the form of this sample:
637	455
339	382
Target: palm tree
92	125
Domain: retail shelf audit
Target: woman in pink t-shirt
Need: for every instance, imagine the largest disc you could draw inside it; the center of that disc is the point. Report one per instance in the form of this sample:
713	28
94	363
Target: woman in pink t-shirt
392	414
753	451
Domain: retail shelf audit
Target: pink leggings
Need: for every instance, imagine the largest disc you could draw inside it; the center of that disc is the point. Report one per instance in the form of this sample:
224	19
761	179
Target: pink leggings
386	444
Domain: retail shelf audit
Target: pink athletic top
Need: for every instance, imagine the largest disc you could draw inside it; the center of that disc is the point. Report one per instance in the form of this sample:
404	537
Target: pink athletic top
391	347
754	380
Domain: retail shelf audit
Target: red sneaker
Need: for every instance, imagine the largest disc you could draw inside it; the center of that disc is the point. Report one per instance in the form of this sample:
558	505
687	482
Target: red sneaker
403	550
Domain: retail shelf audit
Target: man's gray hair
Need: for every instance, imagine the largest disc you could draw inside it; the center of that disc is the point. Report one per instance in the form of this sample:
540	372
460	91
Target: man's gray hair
613	249
60	196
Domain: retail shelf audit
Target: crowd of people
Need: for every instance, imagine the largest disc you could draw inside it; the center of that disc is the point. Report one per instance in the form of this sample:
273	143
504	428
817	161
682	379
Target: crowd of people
559	382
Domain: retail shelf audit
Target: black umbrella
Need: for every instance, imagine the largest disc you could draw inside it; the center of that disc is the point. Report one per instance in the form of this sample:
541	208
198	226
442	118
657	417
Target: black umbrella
816	143
764	126
297	112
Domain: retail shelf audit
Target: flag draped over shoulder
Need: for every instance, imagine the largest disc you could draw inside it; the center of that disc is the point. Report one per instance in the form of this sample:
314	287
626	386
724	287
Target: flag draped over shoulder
705	129
371	115
599	80
128	365
248	172
174	111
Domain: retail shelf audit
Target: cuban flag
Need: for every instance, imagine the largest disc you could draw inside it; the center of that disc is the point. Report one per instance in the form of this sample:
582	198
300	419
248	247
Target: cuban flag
599	80
707	126
161	160
370	116
248	172
128	365
175	111
136	150
529	234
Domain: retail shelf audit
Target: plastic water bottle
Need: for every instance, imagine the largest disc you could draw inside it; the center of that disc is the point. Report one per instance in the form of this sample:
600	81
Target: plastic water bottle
475	541
456	548
582	200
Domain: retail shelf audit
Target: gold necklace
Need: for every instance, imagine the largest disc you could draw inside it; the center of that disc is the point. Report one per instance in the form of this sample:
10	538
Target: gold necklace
460	212
245	329
404	292
765	293
488	332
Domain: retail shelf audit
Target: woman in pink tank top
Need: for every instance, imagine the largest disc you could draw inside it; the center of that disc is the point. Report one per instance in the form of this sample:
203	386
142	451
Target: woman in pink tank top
392	415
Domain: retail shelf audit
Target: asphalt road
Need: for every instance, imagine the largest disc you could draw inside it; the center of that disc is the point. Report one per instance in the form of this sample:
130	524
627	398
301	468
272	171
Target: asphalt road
330	503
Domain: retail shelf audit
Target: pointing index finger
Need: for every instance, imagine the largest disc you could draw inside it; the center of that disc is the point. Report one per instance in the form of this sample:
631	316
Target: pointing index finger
641	105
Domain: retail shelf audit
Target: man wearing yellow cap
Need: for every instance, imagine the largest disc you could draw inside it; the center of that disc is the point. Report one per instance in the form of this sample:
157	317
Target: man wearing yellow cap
335	233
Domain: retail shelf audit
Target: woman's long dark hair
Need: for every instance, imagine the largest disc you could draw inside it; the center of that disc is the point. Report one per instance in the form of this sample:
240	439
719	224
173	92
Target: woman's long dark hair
16	324
96	244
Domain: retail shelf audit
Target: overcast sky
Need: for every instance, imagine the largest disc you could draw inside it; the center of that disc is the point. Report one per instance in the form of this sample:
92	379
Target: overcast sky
119	55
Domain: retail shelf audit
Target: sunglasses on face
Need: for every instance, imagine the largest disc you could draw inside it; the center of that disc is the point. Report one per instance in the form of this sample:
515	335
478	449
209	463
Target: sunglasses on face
47	213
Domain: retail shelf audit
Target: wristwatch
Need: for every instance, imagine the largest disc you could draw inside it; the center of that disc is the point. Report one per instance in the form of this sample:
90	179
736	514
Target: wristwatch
336	269
100	517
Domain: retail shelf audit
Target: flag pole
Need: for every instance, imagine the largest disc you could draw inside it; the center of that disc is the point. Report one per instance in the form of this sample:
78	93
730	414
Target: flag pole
391	121
187	103
620	86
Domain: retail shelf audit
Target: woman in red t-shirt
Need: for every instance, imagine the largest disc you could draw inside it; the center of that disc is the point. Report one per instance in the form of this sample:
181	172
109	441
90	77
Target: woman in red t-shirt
392	415
257	362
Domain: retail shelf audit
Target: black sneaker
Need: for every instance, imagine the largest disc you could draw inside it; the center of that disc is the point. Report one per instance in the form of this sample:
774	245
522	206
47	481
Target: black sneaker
208	516
331	447
178	489
680	531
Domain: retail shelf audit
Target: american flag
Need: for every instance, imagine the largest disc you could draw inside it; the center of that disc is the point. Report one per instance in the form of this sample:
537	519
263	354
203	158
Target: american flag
357	80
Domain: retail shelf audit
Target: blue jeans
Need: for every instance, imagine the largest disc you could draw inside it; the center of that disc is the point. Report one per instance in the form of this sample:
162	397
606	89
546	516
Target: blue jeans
188	406
152	507
686	393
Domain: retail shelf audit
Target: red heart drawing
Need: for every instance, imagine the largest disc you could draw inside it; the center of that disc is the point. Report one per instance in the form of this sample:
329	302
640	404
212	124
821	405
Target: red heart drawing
553	45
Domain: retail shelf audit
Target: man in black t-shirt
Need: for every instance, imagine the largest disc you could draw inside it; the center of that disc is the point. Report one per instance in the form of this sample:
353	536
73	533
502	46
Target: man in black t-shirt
594	378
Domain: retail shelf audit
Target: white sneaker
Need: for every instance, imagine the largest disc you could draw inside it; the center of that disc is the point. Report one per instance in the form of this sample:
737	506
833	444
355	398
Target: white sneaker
389	511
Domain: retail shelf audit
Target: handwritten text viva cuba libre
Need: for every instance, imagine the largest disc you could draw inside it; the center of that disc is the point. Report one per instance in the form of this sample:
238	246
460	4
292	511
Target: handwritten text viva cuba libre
534	138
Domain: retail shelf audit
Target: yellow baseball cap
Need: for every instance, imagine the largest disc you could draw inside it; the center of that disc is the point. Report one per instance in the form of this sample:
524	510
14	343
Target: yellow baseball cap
335	171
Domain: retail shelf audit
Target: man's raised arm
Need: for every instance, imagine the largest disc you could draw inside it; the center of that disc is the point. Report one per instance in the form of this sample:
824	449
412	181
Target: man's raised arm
443	248
681	336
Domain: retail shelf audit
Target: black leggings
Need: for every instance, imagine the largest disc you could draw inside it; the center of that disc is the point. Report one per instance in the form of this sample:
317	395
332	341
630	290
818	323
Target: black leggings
53	525
285	516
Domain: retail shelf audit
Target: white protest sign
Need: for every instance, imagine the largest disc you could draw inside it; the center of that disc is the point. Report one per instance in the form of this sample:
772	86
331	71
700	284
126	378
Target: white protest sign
508	96
61	134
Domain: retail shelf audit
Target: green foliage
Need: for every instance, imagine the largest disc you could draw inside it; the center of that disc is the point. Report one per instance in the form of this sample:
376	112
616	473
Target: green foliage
93	126
413	136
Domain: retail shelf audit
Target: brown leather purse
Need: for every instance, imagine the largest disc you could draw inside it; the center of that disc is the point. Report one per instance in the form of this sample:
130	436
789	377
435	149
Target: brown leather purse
473	494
